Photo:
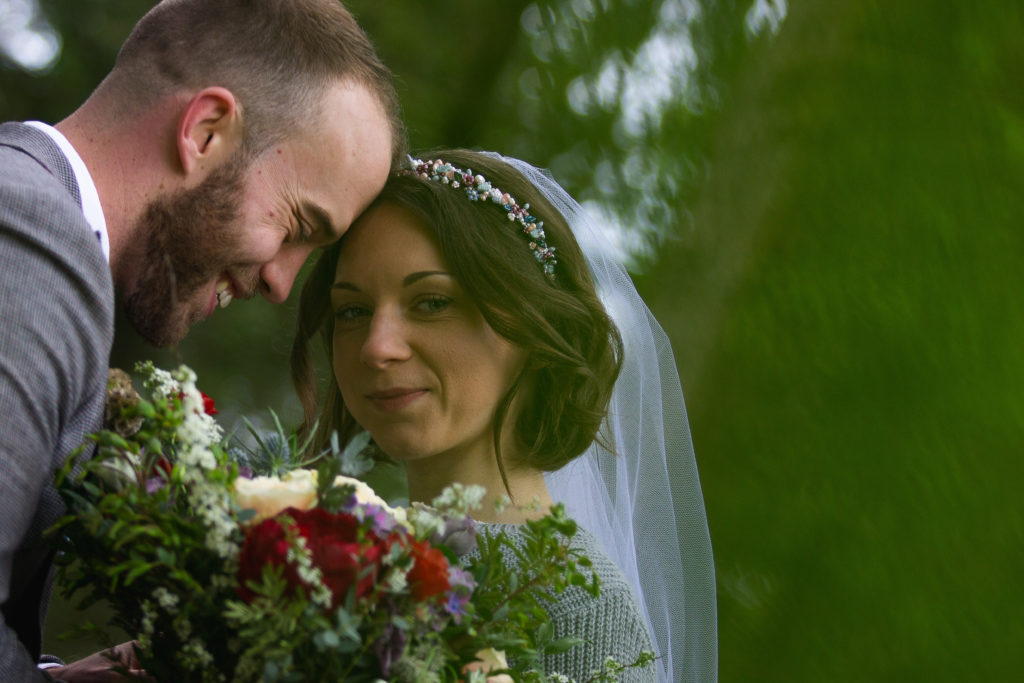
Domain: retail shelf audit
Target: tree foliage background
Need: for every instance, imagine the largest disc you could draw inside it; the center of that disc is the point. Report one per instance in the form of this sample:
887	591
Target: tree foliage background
822	200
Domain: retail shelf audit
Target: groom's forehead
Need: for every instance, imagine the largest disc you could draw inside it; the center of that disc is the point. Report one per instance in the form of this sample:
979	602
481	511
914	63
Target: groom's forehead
341	163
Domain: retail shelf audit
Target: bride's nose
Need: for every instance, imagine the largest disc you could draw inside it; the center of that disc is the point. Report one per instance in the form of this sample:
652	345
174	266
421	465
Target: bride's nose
386	340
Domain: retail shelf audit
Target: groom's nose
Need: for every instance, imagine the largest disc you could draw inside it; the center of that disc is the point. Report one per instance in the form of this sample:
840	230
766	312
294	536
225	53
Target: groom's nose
278	274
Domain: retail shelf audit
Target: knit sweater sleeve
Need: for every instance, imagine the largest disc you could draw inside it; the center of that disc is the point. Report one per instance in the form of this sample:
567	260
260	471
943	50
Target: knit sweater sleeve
610	625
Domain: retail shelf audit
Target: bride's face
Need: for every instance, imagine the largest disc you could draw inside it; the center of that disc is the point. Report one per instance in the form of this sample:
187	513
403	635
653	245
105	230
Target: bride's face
417	365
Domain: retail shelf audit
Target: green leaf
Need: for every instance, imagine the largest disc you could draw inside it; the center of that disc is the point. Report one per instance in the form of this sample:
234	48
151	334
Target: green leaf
137	571
560	645
326	640
355	459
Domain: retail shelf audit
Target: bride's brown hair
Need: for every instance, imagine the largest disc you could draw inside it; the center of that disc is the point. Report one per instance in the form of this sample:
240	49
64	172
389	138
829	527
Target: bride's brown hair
573	349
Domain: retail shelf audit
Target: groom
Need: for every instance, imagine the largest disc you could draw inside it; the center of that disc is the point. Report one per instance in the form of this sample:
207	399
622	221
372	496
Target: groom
231	138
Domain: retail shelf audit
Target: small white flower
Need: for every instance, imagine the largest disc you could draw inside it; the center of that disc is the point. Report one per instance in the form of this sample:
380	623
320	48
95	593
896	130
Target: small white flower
183	627
395	580
458	499
425	521
301	557
195	652
148	624
165	598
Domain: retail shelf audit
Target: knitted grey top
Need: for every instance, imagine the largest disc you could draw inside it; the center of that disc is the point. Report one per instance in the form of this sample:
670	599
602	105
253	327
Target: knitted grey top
611	624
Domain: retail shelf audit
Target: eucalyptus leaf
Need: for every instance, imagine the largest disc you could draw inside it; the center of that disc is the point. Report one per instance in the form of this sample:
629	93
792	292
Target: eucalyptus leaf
356	460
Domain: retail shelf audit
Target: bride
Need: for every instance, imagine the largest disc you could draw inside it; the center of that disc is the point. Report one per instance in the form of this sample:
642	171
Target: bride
480	332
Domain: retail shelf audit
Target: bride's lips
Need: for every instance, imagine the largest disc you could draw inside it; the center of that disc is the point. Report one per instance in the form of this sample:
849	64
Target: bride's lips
394	399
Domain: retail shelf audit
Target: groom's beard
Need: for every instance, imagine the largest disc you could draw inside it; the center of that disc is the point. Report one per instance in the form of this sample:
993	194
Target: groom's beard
188	240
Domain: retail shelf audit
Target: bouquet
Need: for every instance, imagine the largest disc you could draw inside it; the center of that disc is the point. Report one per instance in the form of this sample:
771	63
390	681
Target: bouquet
222	573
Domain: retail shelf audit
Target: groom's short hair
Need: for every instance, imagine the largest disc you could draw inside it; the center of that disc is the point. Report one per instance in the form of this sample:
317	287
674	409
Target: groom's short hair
276	56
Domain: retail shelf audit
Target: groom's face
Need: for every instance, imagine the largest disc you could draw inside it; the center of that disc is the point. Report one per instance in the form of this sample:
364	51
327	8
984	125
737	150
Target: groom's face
247	229
188	240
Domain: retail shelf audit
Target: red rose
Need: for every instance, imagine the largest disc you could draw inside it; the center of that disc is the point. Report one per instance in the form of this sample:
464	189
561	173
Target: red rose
339	553
429	575
264	544
208	406
334	542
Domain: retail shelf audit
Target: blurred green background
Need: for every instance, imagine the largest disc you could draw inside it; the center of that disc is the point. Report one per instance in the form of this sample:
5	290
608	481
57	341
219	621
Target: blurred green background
821	202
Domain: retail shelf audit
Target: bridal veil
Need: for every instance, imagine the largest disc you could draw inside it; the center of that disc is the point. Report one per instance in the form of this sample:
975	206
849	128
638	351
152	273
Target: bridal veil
642	497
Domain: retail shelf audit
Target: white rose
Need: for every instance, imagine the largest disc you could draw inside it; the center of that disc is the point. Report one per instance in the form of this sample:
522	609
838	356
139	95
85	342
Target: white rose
270	495
366	496
489	660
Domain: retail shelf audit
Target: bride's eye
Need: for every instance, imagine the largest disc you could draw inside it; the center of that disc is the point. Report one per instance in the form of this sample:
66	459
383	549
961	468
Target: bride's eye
351	313
434	303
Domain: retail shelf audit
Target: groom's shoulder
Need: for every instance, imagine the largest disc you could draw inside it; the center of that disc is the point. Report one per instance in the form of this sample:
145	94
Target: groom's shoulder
35	205
28	187
29	159
50	260
23	171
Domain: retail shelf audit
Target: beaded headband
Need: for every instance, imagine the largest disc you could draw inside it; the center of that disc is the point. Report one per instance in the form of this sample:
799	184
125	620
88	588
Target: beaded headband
478	188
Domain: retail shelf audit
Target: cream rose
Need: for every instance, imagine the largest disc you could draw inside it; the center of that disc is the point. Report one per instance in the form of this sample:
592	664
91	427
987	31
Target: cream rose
270	495
365	495
489	660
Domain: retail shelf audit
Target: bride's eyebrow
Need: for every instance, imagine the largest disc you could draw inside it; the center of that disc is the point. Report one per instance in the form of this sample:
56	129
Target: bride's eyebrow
412	278
409	279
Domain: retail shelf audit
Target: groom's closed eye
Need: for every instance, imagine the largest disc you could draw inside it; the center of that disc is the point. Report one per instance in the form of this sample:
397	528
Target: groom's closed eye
320	223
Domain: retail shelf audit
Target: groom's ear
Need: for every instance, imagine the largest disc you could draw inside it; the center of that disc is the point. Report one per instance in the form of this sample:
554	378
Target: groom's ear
209	131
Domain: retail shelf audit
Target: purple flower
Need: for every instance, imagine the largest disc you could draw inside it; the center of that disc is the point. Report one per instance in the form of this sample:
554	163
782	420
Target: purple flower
462	585
459	534
378	519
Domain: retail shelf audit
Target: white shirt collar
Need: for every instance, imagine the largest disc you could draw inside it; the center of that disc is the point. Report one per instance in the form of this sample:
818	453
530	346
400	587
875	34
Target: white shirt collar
91	206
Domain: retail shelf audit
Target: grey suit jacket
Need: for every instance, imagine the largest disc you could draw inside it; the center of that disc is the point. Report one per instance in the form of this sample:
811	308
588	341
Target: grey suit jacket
56	330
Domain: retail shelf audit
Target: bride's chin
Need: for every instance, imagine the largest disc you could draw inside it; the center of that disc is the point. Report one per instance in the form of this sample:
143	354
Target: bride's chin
400	451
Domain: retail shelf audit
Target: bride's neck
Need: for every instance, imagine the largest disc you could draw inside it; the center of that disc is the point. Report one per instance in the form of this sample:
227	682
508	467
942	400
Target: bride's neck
526	488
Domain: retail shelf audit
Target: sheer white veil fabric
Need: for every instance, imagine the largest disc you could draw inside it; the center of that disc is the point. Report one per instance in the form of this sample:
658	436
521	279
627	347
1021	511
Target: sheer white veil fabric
642	498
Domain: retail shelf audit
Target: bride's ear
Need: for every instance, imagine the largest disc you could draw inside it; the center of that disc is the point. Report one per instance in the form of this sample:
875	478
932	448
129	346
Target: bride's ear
209	131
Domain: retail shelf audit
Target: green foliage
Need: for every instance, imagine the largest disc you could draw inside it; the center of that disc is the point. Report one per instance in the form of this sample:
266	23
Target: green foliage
278	631
132	539
516	581
272	453
843	311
